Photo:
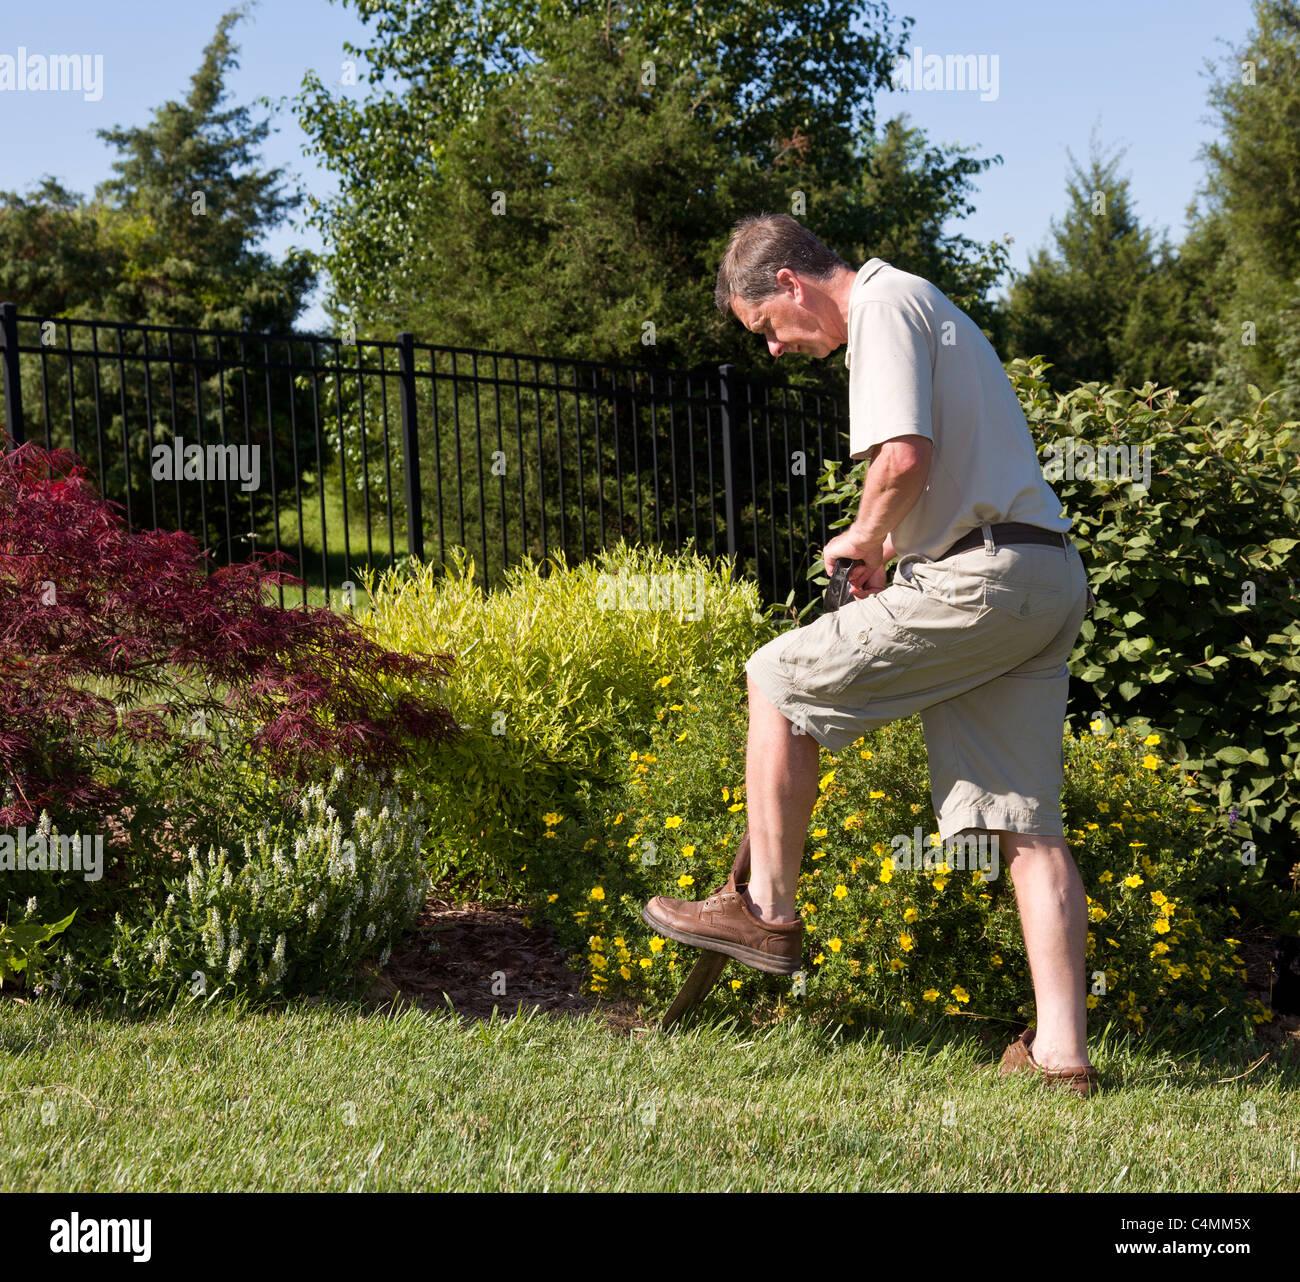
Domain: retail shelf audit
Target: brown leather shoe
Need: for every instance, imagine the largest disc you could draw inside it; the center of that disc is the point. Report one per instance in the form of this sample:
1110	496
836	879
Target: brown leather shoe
722	923
1018	1058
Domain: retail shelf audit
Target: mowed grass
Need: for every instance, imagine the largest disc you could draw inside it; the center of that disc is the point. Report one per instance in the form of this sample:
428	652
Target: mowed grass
329	1097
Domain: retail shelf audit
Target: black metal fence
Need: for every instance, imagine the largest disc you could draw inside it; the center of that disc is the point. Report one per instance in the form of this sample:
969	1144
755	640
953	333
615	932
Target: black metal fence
351	455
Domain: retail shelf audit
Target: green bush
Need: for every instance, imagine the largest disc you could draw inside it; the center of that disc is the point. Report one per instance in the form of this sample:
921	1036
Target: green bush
556	676
883	939
1196	630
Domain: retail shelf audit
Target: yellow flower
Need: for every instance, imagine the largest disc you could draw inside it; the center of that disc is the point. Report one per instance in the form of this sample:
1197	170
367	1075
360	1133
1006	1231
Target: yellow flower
656	945
1151	740
931	995
811	907
840	891
1149	762
1162	925
550	899
1133	881
821	957
960	993
1106	876
940	882
663	681
598	893
735	983
865	754
646	963
825	781
834	945
895	963
688	851
681	736
818	832
910	914
1157	897
875	796
623	970
673	821
550	819
950	1009
686	880
1168	908
674	707
739	805
905	942
726	794
996	959
1092	1001
1136	845
619	820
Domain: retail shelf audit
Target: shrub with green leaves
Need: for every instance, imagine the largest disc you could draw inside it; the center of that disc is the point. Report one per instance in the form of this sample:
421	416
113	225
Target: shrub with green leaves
1164	921
1196	630
555	675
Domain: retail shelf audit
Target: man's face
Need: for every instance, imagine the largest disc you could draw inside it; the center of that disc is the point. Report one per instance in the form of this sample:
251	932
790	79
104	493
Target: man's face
787	320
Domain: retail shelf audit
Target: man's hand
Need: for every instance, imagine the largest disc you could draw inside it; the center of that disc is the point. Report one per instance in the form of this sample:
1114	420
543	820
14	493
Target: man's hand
869	577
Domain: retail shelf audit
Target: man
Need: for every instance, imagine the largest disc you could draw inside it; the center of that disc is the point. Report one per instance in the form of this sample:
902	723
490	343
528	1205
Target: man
973	632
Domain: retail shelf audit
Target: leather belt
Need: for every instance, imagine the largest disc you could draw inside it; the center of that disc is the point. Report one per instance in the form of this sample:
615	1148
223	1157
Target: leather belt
1007	532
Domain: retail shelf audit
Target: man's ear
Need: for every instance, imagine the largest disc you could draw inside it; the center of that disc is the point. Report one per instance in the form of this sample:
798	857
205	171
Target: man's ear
788	281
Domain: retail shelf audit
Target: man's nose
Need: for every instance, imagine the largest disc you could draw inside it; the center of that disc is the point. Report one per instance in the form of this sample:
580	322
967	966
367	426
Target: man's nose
775	346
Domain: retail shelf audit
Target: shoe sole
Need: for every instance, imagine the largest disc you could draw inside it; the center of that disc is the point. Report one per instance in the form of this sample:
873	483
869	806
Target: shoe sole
749	956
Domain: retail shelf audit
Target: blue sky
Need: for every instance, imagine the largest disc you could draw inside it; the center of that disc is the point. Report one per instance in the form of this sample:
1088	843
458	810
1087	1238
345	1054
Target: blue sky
1132	70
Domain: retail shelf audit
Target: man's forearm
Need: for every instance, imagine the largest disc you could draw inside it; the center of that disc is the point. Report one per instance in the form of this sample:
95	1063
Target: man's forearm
892	488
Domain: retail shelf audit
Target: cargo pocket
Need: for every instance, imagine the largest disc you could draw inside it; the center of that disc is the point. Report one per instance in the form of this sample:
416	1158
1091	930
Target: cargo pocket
865	655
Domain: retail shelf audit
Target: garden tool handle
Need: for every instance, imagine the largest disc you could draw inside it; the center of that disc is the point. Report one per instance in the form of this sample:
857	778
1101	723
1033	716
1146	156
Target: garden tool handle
837	592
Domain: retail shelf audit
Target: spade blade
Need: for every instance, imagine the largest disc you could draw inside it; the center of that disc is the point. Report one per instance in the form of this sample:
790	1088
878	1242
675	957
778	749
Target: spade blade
699	984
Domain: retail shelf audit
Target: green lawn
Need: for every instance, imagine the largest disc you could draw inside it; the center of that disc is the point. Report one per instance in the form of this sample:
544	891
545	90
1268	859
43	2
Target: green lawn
329	1097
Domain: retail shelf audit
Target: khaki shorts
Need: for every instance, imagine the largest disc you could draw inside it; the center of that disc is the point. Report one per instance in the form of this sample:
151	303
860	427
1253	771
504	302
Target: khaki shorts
977	644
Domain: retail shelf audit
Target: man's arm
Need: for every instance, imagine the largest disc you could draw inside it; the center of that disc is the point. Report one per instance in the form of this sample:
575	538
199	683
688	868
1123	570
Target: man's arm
895	480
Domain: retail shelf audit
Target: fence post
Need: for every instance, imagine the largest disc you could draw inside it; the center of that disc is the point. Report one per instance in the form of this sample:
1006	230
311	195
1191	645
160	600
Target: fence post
411	446
12	376
730	412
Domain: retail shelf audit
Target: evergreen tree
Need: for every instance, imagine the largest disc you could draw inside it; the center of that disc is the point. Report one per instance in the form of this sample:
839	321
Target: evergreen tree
1252	192
172	237
1075	305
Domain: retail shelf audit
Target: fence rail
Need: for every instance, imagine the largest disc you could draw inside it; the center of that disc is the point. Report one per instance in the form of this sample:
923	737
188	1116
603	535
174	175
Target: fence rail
237	436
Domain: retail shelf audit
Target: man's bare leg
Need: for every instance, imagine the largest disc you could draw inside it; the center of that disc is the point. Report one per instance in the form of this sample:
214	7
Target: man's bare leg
1054	919
780	790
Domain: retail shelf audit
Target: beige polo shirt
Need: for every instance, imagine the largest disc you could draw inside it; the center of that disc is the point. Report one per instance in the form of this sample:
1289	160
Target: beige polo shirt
919	366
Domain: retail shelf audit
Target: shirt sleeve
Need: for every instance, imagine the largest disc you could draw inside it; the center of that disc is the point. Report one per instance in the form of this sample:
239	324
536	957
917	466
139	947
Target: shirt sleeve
891	378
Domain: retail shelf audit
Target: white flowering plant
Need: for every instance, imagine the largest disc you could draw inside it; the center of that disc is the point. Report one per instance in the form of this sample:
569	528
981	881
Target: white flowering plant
294	908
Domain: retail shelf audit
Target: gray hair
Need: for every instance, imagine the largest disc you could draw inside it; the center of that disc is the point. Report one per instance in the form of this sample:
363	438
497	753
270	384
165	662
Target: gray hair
761	246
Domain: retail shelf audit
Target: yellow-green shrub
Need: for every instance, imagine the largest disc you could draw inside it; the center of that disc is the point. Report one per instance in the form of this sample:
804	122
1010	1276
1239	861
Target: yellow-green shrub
556	675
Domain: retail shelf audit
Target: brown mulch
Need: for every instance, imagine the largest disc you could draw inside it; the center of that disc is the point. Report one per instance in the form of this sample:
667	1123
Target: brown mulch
450	959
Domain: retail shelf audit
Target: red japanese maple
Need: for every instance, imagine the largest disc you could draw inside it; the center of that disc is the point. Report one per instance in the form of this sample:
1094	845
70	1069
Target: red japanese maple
91	609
